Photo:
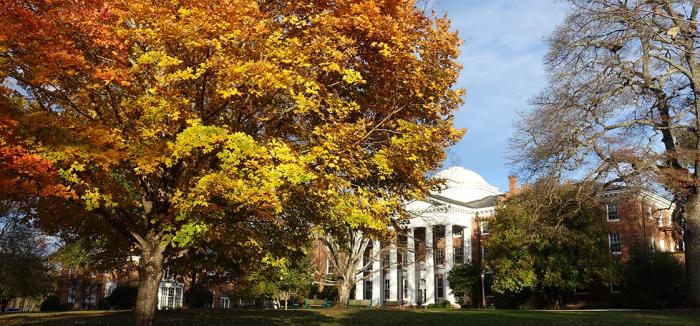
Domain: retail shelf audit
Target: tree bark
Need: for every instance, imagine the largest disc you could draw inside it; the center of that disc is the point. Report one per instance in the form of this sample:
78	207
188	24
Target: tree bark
344	288
692	250
150	273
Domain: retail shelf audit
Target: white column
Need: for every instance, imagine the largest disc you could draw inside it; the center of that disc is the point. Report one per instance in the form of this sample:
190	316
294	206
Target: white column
429	266
411	267
449	262
360	284
393	275
376	275
467	242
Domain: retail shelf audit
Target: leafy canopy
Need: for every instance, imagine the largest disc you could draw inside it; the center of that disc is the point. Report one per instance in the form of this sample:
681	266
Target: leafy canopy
549	239
175	121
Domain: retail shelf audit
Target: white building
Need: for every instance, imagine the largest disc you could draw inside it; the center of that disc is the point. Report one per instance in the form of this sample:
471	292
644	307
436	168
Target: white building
412	273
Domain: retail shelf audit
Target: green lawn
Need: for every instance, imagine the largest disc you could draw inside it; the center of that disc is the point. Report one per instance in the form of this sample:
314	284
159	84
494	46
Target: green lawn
363	317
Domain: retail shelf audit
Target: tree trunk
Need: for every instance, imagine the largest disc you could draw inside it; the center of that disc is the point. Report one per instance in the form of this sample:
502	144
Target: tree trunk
150	273
692	250
344	288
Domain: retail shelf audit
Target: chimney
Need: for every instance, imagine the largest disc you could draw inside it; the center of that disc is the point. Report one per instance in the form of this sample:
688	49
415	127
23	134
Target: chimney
512	185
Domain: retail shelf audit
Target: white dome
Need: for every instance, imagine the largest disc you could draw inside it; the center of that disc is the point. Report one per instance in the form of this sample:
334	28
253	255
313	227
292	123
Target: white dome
465	185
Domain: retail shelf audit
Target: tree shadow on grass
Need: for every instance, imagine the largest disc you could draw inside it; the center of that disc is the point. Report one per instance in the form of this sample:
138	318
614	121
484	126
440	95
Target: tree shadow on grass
416	317
190	317
364	317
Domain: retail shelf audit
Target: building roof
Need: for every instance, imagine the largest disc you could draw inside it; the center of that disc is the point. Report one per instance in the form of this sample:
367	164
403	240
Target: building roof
464	185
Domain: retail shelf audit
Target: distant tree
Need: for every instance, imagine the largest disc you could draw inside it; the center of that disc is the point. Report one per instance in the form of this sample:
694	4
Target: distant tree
277	279
123	297
549	239
24	267
198	296
464	280
293	277
623	103
653	279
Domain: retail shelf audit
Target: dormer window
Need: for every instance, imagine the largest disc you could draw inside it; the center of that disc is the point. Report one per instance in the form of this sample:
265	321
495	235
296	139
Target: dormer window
612	212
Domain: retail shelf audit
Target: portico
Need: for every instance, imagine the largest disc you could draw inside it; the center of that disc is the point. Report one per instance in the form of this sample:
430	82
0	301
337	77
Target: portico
413	270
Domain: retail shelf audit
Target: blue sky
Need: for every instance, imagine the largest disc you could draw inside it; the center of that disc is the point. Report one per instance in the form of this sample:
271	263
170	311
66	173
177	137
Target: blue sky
502	56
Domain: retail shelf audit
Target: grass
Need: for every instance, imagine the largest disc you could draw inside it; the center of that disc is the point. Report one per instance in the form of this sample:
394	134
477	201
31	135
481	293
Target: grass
383	317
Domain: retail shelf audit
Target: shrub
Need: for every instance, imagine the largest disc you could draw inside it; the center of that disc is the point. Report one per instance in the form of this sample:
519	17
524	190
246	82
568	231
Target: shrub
103	305
329	293
464	282
653	280
123	297
51	303
445	304
198	297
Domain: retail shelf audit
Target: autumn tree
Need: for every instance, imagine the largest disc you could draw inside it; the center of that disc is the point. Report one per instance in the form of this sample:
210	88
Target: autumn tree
24	266
551	240
351	258
181	122
622	105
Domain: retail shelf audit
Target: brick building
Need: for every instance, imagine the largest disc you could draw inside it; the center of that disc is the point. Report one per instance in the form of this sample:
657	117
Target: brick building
637	217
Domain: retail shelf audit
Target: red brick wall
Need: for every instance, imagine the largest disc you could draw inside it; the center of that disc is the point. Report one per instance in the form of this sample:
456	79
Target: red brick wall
636	226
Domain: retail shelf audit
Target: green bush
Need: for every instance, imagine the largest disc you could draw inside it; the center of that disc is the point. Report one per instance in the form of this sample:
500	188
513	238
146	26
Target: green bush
103	305
51	303
653	280
329	293
442	305
464	282
198	297
123	297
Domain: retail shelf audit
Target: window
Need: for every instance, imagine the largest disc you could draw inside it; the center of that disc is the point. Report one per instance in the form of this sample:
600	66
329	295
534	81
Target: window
439	256
170	295
329	266
615	288
484	252
405	287
612	212
485	227
225	302
365	262
90	297
440	286
386	259
458	255
368	290
457	231
71	291
387	289
660	219
614	242
662	245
